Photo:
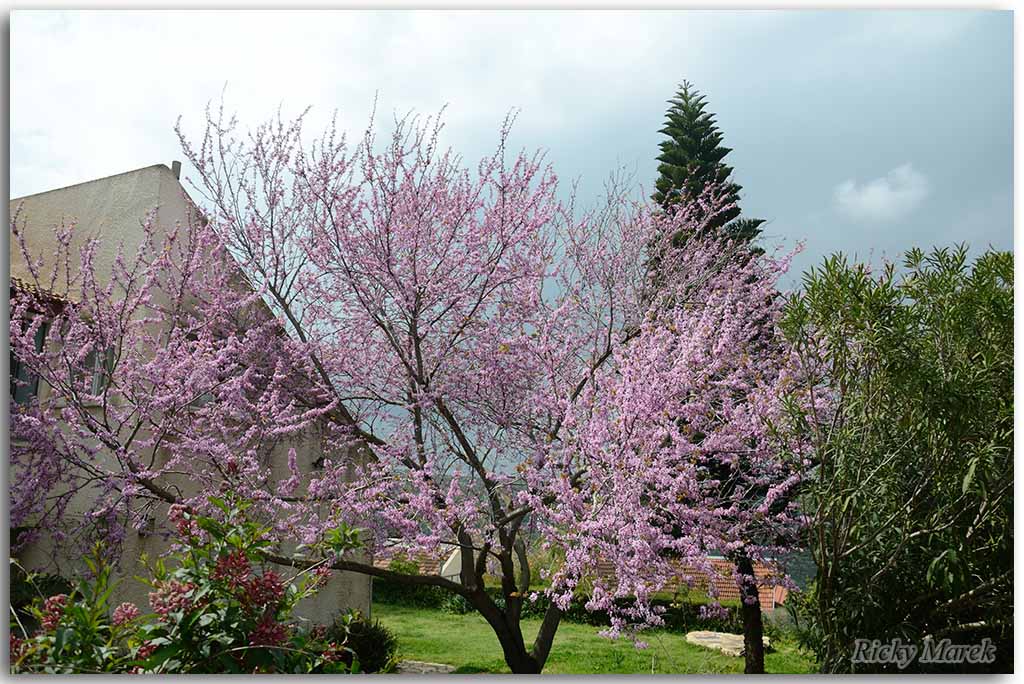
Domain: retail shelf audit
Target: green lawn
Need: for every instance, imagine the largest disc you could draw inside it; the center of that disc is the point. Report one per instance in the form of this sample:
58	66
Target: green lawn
468	643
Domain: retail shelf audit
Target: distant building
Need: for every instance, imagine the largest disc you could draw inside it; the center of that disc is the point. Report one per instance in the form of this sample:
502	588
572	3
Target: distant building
114	208
447	564
770	596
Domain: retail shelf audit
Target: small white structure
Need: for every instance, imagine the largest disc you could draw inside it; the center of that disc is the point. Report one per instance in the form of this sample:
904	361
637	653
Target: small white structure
451	569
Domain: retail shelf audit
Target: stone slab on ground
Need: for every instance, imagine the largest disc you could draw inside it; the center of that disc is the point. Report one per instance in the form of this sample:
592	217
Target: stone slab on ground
729	644
421	667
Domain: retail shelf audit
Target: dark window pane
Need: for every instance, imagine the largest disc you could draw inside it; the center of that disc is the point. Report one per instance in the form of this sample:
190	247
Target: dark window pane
24	384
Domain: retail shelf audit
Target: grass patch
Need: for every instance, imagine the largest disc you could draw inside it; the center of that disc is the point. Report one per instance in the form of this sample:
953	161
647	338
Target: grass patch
467	642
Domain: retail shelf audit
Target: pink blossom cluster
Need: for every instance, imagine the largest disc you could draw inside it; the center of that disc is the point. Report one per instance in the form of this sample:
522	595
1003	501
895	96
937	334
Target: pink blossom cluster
53	611
334	653
713	611
171	597
321	575
145	650
178	516
232	568
264	590
125	613
18	647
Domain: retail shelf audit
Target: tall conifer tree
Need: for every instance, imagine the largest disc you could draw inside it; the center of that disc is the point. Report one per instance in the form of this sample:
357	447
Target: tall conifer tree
692	158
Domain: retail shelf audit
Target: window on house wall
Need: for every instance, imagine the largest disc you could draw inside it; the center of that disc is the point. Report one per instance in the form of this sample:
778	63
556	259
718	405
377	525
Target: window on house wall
96	368
100	364
24	384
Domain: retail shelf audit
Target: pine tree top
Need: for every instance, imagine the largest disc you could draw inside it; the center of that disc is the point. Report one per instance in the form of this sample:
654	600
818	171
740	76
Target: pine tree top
692	158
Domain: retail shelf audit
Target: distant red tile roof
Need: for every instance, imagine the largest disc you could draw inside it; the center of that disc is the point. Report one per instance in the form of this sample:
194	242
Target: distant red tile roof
25	286
770	596
50	299
428	564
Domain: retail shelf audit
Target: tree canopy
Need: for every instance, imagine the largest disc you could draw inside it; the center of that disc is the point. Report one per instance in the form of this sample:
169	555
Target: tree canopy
474	359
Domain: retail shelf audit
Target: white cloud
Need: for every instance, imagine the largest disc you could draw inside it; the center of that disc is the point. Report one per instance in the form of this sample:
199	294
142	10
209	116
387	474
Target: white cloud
890	197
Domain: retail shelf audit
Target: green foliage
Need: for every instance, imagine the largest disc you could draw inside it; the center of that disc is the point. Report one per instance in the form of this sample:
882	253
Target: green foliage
403	565
691	159
398	593
76	634
218	608
223	613
679	615
338	540
456	604
374	645
26	587
913	490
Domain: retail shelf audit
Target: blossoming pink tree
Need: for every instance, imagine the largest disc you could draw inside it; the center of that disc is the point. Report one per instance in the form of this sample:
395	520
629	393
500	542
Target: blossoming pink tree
476	359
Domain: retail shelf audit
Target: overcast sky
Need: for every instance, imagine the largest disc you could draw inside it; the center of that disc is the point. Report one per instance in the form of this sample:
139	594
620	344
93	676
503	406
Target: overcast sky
862	131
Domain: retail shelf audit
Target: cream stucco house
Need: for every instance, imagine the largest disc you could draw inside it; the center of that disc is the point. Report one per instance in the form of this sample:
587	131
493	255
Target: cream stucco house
113	208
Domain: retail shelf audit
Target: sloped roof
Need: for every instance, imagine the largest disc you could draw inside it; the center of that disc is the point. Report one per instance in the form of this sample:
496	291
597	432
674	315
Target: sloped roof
101	179
769	595
21	285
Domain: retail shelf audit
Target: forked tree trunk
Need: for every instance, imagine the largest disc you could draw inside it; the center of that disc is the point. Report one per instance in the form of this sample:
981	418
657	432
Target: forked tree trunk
521	662
750	607
508	630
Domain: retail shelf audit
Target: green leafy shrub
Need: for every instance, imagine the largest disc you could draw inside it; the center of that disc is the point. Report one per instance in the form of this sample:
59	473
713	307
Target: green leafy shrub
26	587
219	608
456	604
76	632
417	596
404	565
678	615
913	489
375	646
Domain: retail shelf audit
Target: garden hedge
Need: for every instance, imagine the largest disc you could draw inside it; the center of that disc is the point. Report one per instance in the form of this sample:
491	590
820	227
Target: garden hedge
678	615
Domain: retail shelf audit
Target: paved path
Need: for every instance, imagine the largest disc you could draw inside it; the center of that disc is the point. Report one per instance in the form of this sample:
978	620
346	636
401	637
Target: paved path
420	667
729	644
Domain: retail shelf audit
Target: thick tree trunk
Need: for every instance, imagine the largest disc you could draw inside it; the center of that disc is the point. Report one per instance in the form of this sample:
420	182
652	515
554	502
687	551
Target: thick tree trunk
546	634
750	607
522	663
510	636
505	623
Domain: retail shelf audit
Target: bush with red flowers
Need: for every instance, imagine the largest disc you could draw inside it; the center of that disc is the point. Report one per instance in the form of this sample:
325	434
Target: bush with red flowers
216	608
76	633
